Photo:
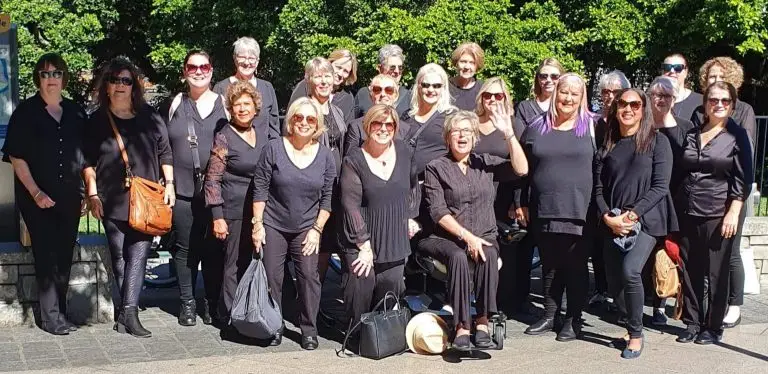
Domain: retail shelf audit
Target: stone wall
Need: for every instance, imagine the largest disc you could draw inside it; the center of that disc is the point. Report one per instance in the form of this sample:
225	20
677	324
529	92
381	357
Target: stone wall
755	236
89	296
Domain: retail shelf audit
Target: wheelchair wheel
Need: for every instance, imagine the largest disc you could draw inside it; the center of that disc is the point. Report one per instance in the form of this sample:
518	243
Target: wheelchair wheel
499	334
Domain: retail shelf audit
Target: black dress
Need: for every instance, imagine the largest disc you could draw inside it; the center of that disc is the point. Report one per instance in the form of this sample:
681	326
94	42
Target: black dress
267	123
356	136
465	99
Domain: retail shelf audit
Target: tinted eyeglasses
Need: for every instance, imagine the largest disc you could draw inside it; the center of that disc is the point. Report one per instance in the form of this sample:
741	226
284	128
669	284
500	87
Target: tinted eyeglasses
192	68
389	90
436	86
395	68
45	74
125	81
544	77
298	118
677	68
714	101
635	105
498	96
606	92
378	125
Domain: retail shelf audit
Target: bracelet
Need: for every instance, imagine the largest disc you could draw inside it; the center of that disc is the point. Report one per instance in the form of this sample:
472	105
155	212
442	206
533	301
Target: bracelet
317	228
169	182
37	194
94	195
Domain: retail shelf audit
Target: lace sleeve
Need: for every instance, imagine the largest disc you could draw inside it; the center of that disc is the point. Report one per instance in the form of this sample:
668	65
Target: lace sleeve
217	165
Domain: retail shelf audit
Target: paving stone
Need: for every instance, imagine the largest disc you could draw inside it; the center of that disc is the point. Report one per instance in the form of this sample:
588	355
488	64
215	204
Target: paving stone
11	356
12	365
46	364
80	343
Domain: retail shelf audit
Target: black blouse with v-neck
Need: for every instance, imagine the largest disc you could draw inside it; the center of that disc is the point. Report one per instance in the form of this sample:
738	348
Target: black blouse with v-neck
376	209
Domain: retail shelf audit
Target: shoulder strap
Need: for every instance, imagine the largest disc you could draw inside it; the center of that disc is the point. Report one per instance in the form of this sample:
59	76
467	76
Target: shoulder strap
592	135
413	139
174	105
192	139
121	147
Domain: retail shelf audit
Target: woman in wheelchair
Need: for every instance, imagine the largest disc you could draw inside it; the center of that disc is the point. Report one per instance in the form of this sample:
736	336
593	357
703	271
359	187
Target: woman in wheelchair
460	196
377	201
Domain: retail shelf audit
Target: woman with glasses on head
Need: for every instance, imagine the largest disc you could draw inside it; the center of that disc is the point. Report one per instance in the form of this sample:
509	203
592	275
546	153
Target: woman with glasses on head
632	173
676	67
384	90
459	195
391	62
292	189
560	149
122	109
344	65
717	161
43	145
467	60
246	57
194	117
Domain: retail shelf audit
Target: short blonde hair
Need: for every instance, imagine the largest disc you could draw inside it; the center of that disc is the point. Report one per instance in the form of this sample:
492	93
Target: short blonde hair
294	108
345	54
508	100
472	49
457	117
733	73
240	88
377	111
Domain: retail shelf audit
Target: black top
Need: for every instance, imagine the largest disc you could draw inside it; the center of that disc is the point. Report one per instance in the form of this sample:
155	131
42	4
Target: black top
505	181
719	172
465	99
685	108
230	172
293	196
52	150
267	123
355	136
363	101
376	209
467	198
676	137
146	144
743	114
560	177
341	98
333	137
526	112
205	128
430	143
627	180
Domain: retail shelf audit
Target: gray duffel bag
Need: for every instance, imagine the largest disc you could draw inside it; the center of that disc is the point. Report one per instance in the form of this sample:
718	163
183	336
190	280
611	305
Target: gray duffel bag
254	313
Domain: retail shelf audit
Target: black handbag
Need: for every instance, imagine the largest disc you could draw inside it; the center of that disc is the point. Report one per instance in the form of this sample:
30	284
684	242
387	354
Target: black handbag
382	332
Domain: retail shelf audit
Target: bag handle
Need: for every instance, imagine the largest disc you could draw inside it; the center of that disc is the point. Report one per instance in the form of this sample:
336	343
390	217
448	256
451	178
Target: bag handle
388	295
121	147
343	351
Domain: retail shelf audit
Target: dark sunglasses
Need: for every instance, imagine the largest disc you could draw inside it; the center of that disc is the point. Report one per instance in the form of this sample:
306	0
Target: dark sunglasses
45	74
543	76
714	101
606	92
204	68
311	120
378	125
389	90
635	105
677	68
395	68
499	96
436	86
125	81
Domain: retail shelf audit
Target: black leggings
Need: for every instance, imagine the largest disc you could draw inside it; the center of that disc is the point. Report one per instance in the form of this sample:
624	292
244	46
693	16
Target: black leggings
129	249
624	271
564	266
361	293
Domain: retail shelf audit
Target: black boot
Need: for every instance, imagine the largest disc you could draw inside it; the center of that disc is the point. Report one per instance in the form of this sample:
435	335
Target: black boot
187	313
541	326
209	309
128	322
570	331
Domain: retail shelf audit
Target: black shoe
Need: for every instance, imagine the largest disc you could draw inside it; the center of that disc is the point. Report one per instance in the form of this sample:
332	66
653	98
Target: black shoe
570	331
71	326
206	315
732	325
461	343
541	326
309	343
187	312
278	338
630	354
483	339
128	322
709	337
687	336
56	328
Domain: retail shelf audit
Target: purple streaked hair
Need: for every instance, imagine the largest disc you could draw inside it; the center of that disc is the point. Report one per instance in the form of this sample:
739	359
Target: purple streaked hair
584	118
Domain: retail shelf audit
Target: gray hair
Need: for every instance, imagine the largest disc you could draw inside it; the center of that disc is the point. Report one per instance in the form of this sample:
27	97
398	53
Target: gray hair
246	45
317	65
455	118
614	76
390	50
664	84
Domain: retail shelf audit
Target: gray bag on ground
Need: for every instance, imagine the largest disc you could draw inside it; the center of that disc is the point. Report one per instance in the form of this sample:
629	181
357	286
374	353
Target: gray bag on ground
254	313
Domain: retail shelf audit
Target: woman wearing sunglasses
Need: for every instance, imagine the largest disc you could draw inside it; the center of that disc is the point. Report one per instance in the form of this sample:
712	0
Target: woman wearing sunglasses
122	108
344	65
544	79
292	189
392	63
195	115
467	60
384	90
632	173
717	161
246	57
676	67
43	145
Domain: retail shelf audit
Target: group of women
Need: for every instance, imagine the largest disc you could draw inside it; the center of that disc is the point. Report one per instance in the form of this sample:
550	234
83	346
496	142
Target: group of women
375	175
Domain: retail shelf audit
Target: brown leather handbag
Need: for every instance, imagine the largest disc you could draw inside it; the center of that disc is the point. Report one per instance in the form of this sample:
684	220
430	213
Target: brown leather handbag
147	213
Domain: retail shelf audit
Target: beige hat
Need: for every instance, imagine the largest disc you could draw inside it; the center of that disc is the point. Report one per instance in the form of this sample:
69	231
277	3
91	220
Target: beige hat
426	334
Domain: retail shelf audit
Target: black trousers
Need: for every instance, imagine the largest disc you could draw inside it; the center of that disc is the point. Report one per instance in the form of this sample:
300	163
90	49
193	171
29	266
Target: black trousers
624	271
516	273
237	256
195	245
53	232
279	246
564	266
460	279
598	265
129	250
362	293
736	296
706	254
